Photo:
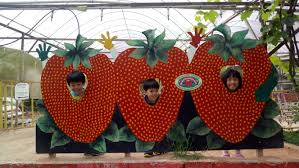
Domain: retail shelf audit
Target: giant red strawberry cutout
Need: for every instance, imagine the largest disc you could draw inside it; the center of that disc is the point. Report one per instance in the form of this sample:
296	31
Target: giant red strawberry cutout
85	119
231	115
149	123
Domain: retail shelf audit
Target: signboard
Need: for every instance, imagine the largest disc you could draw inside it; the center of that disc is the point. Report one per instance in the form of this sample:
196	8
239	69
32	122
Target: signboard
22	91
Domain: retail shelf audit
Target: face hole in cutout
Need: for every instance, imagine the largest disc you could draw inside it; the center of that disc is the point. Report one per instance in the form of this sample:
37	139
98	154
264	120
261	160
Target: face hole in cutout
151	89
231	77
77	84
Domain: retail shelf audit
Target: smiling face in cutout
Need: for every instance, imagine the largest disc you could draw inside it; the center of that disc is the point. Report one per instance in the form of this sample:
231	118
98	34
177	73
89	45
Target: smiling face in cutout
151	91
152	94
76	81
232	83
232	80
77	88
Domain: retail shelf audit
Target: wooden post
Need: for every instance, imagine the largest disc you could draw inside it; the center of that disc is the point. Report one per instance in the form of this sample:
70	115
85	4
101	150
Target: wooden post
52	155
23	111
11	105
259	153
127	155
32	106
5	106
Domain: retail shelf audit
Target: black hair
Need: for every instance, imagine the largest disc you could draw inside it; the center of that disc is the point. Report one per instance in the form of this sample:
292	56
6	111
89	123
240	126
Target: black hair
75	76
150	84
231	73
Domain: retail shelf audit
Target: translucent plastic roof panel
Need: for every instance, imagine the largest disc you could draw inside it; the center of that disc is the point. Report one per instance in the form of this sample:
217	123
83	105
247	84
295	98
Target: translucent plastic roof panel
124	23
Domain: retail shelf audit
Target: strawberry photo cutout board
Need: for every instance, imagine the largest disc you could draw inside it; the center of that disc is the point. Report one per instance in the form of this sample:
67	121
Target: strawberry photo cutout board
193	105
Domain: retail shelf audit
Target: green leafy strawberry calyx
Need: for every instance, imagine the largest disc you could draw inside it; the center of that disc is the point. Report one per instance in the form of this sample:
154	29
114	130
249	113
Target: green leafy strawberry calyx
78	53
154	50
226	45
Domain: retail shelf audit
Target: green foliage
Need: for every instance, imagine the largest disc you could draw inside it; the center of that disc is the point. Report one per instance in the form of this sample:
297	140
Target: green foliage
226	45
177	133
265	16
271	110
77	54
197	127
138	53
141	146
59	139
99	144
288	20
267	12
238	37
225	31
209	16
155	49
112	133
41	107
214	141
295	109
234	0
11	65
291	137
278	20
264	91
266	128
246	14
201	26
283	66
136	43
296	117
126	135
46	124
274	24
272	32
182	150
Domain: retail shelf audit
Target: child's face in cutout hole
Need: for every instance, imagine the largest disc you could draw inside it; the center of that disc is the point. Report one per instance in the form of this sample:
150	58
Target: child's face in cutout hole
77	87
232	83
152	94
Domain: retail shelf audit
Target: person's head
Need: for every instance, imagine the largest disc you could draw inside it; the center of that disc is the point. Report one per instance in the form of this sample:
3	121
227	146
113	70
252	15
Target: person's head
76	81
151	88
232	80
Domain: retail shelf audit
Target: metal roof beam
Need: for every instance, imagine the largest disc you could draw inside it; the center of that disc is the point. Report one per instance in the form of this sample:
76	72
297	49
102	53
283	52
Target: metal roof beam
63	5
73	39
29	35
